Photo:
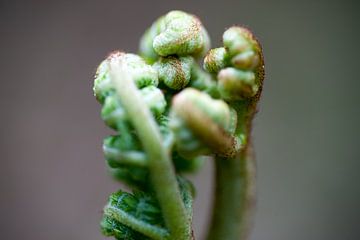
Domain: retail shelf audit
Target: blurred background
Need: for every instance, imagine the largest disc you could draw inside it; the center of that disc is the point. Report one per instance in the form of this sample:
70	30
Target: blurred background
53	179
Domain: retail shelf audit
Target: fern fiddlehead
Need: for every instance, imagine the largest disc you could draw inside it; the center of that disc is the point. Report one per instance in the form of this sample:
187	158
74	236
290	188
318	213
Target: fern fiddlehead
168	114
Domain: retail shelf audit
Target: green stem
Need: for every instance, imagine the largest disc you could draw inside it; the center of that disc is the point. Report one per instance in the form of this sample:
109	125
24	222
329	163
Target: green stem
234	198
235	184
161	170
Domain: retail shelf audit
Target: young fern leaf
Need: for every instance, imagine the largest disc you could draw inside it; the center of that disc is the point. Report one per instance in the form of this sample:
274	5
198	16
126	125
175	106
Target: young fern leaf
138	216
135	216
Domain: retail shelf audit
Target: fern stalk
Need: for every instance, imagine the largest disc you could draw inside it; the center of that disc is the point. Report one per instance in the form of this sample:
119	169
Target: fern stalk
161	171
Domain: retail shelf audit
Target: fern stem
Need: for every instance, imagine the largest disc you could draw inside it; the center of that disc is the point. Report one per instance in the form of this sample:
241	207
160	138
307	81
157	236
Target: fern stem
161	170
234	198
235	184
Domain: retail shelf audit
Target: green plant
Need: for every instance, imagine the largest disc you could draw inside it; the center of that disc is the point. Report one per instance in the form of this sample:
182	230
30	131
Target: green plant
168	114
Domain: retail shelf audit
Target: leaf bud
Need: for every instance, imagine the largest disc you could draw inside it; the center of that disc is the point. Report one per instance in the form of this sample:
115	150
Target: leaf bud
175	72
183	35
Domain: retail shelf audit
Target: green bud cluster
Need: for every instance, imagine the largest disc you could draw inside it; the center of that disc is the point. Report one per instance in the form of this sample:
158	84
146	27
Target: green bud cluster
172	44
238	65
196	113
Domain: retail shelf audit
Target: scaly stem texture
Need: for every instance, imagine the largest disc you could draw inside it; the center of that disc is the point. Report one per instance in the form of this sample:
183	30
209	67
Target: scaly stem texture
161	171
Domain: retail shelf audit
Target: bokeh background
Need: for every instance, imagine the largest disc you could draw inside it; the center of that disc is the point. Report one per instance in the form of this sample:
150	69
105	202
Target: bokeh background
53	180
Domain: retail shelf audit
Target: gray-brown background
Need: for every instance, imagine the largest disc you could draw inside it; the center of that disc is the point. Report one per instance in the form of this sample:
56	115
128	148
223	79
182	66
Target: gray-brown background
53	177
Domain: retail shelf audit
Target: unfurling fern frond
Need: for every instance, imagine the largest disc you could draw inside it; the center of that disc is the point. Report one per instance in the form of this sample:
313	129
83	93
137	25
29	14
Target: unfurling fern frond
169	116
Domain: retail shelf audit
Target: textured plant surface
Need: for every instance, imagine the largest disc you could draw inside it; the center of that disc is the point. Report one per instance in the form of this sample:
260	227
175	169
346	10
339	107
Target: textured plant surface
168	113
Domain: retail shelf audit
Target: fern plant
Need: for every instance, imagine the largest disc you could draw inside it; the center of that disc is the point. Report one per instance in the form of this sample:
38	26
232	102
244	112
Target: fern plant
168	113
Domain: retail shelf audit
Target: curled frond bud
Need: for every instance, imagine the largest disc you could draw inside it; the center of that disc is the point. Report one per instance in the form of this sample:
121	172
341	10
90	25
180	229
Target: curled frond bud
175	72
142	73
201	123
176	33
236	84
183	35
245	51
238	39
239	65
217	110
215	60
